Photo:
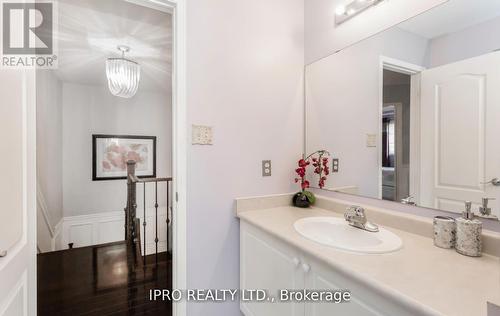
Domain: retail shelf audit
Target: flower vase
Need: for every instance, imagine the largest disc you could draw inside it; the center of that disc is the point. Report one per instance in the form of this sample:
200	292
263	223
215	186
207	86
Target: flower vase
300	200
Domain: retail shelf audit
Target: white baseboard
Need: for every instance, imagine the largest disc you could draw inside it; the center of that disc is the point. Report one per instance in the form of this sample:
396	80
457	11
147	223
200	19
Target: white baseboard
106	227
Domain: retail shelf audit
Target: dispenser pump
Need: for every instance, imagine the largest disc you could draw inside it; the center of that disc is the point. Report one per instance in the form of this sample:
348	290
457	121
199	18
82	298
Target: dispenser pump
468	214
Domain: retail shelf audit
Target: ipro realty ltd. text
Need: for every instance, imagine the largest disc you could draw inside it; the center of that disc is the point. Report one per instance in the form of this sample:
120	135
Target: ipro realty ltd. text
257	295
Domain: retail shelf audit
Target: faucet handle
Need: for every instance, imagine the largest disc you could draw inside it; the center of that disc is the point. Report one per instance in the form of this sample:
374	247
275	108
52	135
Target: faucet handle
360	211
484	209
355	210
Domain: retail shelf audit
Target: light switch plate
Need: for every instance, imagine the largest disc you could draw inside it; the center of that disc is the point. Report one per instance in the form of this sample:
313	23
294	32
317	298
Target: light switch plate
371	140
202	135
266	168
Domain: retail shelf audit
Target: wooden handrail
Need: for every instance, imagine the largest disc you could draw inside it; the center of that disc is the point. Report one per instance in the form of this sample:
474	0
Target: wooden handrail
136	179
132	223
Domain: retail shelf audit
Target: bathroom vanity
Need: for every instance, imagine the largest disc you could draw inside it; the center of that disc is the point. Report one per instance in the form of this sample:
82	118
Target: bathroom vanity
417	279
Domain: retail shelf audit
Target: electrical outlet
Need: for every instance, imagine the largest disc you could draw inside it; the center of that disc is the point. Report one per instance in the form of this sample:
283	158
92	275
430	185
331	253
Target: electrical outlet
202	135
335	165
266	168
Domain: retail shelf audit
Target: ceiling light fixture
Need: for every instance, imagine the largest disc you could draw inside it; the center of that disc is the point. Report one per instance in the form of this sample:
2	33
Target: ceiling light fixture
123	75
340	10
344	13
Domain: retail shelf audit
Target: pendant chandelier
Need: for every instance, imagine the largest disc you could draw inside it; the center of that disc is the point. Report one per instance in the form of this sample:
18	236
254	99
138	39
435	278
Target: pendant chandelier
123	75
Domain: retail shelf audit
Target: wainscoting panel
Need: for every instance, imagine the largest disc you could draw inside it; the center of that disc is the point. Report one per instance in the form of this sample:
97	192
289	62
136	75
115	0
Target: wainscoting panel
106	227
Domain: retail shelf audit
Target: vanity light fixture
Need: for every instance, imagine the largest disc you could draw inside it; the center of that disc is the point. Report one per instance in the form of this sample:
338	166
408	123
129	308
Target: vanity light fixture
123	75
346	12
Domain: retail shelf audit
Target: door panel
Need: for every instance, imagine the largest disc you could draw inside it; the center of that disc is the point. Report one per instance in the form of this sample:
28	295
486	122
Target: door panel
365	301
460	114
17	193
11	168
459	147
317	280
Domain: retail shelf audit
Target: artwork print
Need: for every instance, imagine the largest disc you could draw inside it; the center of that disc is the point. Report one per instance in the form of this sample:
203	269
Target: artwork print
111	153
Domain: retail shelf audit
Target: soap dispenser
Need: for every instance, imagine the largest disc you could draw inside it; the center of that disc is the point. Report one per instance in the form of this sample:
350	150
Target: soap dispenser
469	229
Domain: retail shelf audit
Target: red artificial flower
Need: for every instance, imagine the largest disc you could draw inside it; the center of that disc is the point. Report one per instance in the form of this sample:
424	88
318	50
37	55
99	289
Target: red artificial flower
305	184
303	163
320	165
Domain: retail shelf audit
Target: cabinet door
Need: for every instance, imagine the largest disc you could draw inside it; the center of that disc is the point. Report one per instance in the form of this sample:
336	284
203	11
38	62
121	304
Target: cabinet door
268	264
364	301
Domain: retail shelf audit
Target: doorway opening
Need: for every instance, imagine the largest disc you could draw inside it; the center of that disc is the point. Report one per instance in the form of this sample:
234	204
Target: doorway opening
396	118
105	162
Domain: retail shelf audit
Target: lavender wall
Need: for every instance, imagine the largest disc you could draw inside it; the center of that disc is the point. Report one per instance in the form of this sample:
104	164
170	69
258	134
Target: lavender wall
471	42
323	37
245	78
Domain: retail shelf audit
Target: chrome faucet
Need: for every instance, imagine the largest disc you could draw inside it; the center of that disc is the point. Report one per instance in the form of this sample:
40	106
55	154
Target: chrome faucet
485	210
408	201
355	216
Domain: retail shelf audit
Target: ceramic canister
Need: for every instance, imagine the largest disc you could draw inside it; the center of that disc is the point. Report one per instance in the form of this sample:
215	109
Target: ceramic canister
444	231
469	240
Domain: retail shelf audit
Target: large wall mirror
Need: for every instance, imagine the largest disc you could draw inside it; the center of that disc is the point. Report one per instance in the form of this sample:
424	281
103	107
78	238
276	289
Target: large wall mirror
413	114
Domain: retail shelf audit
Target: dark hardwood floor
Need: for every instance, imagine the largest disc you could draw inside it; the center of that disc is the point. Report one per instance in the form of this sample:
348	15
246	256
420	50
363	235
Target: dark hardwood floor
101	280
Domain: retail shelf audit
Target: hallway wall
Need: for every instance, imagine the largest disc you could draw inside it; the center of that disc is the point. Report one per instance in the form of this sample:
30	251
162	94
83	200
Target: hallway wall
91	110
49	144
71	207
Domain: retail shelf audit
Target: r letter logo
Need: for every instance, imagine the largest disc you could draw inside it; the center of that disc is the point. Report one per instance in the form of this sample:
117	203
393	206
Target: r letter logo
28	35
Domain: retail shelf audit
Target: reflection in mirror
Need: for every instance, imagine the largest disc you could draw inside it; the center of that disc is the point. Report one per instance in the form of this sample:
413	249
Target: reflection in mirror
411	114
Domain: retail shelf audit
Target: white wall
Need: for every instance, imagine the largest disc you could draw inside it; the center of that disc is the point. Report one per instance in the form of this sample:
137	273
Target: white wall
91	110
245	67
49	146
343	104
473	41
323	37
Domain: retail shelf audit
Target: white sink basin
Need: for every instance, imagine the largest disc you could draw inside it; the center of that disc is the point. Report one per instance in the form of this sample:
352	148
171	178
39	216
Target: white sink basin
336	232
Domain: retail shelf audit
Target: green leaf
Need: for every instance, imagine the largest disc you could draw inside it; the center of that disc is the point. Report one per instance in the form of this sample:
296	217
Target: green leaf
310	197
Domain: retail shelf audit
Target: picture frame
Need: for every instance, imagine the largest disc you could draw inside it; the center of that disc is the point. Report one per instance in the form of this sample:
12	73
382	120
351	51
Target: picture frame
110	154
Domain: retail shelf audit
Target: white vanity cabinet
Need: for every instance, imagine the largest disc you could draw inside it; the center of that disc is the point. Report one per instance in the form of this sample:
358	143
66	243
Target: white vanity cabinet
271	264
267	264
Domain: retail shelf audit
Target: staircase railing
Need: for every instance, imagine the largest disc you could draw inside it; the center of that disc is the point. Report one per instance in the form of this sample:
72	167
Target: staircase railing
132	222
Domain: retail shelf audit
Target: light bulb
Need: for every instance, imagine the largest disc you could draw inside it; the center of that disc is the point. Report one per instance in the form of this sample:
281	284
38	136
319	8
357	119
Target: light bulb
340	10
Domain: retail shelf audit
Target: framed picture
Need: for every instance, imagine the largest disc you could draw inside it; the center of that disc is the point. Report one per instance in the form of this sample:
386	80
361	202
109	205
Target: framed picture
110	154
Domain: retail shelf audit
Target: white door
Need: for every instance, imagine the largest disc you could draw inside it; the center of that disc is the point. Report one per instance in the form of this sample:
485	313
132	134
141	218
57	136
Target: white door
17	194
270	265
460	147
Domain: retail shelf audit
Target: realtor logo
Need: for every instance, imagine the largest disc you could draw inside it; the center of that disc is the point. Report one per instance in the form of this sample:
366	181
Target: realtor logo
28	35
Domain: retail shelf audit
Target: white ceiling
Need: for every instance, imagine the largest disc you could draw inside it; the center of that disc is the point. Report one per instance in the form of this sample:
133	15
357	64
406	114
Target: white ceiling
451	17
90	30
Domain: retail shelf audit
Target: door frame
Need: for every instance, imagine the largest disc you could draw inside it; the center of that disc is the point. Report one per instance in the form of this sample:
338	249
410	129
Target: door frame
179	142
179	147
388	63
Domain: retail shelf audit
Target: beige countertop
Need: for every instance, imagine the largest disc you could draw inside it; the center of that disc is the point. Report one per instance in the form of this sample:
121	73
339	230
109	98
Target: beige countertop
437	279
